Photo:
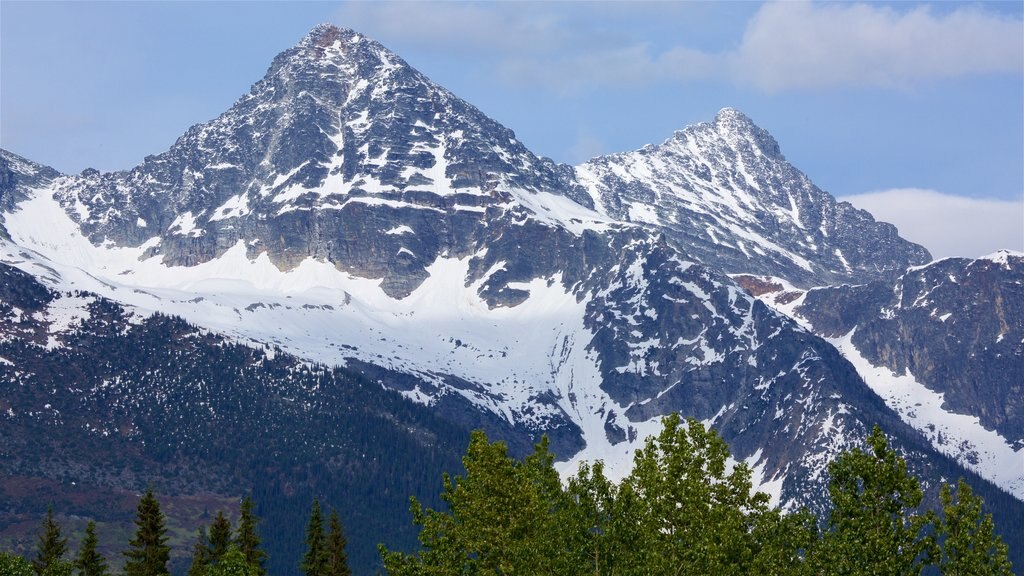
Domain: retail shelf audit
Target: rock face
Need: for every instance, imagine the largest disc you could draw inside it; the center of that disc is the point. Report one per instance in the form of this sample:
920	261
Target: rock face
339	143
348	211
17	176
955	325
725	194
943	345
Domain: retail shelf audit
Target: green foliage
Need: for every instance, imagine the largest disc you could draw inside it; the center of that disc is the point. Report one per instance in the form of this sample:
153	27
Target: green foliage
89	562
694	515
686	508
691	512
59	568
220	537
14	565
873	528
200	555
247	538
597	520
337	559
148	552
51	546
504	518
970	546
233	563
314	561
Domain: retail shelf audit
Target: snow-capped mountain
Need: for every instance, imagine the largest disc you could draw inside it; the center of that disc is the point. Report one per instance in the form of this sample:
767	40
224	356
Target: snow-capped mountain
943	345
725	194
338	140
348	211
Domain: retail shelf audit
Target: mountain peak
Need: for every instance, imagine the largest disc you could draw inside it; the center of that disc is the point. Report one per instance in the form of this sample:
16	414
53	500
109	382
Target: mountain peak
324	35
323	29
724	189
732	116
739	130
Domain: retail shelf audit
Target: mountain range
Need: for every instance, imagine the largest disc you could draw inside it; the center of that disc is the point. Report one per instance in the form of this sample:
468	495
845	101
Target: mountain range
350	242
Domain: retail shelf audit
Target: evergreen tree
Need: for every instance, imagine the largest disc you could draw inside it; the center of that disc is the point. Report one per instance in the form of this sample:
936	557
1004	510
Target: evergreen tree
969	545
200	555
220	537
52	545
337	559
60	568
873	528
14	565
148	552
248	539
89	561
314	562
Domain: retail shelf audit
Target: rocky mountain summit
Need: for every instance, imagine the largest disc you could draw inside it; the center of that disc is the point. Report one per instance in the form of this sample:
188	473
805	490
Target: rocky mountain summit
349	212
340	139
725	194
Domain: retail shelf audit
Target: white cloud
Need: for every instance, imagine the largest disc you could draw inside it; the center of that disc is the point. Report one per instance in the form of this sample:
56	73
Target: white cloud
458	27
793	45
785	46
948	225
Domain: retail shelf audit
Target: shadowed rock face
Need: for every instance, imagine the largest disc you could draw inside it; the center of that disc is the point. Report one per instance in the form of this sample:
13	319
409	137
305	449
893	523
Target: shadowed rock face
724	193
955	325
17	176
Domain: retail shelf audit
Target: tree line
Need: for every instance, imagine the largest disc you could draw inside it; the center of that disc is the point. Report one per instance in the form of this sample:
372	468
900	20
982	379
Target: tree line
686	508
222	550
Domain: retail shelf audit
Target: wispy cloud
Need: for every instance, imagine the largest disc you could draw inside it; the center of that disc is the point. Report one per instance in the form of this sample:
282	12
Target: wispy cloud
793	45
785	45
460	27
948	225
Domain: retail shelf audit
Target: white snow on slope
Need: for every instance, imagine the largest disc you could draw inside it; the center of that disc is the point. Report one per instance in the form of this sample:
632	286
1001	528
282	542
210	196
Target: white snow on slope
957	435
322	314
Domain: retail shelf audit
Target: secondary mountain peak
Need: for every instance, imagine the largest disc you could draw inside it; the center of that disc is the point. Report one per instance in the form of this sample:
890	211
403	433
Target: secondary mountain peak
725	191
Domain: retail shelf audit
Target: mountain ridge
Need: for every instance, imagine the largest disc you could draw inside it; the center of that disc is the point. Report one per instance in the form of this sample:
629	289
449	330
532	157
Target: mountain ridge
725	193
348	211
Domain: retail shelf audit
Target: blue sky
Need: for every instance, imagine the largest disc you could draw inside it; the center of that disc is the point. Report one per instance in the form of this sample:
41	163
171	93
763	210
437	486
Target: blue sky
896	106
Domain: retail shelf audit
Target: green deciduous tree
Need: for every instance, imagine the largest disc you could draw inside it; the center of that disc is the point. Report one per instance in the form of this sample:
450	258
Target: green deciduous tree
148	552
89	561
14	565
314	561
597	521
233	563
873	527
247	537
693	514
683	510
51	545
503	518
969	544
